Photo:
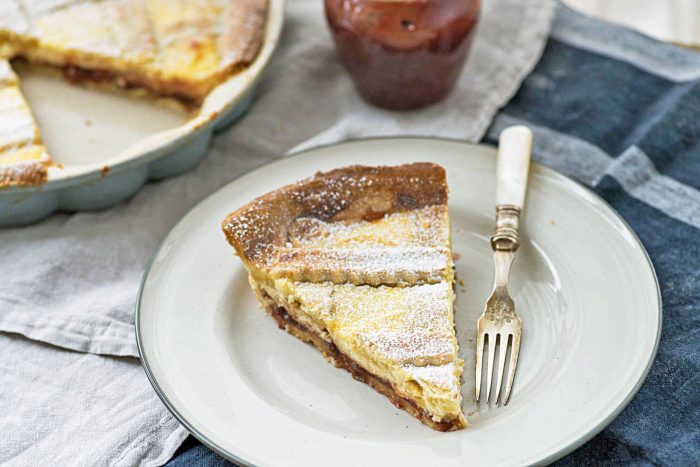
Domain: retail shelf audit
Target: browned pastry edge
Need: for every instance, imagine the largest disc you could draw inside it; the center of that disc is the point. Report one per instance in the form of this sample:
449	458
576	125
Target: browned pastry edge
334	355
23	174
246	29
350	194
183	92
189	94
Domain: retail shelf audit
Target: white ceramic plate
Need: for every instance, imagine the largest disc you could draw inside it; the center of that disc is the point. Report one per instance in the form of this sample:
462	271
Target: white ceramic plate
582	282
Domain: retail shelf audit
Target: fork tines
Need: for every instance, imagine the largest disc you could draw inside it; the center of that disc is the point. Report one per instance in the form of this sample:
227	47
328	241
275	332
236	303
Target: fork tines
506	337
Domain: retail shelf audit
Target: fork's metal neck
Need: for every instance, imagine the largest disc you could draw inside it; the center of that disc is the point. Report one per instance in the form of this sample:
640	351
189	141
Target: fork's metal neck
506	238
505	241
502	260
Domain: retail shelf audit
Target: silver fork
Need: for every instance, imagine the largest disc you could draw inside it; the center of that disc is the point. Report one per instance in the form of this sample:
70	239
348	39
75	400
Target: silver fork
499	323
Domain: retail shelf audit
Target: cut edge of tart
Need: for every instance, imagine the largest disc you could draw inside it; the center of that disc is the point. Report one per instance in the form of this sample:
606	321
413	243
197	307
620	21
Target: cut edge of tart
357	262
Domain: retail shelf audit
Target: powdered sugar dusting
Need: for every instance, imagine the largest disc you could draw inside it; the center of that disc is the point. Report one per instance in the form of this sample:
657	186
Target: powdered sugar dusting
409	325
254	221
403	247
350	225
442	376
22	173
332	197
419	348
427	226
400	248
374	265
415	326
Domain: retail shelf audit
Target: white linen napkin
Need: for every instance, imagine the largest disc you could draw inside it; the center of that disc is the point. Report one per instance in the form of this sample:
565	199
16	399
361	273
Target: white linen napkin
71	281
61	407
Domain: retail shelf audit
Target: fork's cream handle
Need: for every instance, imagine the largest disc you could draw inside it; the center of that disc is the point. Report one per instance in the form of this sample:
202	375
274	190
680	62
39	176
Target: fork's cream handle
514	147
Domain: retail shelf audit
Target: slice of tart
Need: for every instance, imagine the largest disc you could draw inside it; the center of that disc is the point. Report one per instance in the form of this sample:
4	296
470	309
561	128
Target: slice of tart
357	262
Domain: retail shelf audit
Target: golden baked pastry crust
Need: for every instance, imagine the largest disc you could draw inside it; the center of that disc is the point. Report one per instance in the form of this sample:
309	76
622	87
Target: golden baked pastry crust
23	174
274	234
357	262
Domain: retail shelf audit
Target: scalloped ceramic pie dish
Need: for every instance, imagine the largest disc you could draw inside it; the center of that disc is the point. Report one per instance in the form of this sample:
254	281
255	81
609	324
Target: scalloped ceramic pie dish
106	147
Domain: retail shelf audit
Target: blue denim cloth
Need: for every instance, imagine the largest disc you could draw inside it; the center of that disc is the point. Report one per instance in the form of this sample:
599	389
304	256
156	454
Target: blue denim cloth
621	113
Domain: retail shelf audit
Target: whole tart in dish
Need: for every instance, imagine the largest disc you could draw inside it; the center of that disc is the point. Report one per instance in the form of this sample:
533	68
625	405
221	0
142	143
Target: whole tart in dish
177	50
357	262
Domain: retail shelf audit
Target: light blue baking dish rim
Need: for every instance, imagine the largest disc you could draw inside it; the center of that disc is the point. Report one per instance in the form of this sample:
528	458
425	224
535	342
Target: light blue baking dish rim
96	191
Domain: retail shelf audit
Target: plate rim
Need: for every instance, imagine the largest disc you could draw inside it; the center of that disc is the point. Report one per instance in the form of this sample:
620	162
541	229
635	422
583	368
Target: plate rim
548	457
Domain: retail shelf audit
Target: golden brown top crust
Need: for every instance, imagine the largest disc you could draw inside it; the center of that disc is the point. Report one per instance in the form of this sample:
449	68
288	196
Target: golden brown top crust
23	174
243	37
276	227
